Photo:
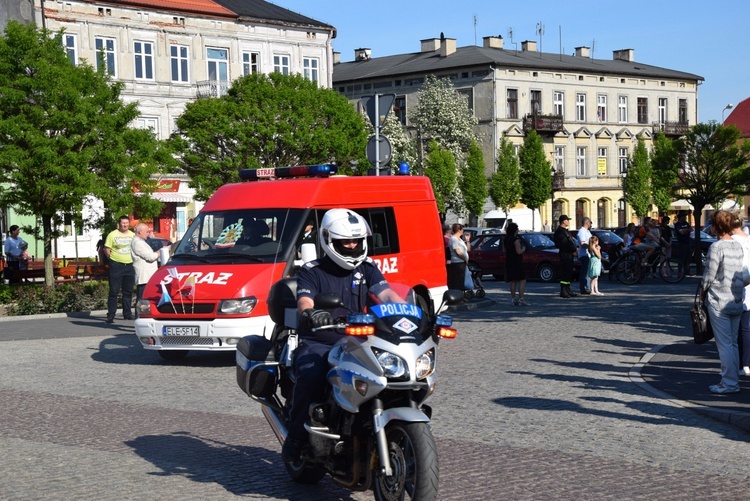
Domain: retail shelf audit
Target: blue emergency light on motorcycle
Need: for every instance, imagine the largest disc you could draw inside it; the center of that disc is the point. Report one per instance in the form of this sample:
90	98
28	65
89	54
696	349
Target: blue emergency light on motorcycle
322	170
360	324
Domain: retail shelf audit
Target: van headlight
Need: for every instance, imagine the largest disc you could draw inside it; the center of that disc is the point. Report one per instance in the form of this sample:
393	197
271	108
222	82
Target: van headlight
394	367
237	306
426	364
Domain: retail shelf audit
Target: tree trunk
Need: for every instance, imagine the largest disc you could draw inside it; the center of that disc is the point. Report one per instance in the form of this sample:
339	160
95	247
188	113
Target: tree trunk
697	240
49	274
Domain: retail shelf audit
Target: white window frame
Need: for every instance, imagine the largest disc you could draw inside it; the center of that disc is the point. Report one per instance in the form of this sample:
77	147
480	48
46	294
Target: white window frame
109	54
147	123
559	158
70	41
601	157
179	63
250	63
623	157
282	64
601	107
217	63
143	60
663	103
311	69
581	170
622	109
581	107
558	103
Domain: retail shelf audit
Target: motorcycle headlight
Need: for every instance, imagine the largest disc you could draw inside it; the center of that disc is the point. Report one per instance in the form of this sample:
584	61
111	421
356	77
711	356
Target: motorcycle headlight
237	306
426	364
393	366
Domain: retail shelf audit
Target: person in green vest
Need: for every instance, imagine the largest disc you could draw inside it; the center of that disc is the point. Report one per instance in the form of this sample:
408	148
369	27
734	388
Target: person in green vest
121	271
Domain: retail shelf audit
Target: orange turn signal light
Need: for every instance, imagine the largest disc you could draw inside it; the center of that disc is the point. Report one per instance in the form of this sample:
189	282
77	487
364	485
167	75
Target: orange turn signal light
360	330
447	332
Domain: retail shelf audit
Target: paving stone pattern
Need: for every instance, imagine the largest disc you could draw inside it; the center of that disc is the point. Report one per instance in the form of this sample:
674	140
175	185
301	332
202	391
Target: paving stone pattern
532	403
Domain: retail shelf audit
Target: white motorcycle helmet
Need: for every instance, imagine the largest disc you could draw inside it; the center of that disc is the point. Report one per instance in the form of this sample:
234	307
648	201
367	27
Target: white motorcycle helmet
344	224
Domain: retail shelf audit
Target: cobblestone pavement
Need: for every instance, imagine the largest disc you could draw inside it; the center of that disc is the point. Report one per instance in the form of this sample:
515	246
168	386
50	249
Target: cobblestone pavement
532	403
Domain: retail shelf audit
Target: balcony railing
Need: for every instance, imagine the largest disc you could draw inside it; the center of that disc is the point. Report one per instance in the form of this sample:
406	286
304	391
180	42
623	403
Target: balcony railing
543	123
672	128
211	88
558	180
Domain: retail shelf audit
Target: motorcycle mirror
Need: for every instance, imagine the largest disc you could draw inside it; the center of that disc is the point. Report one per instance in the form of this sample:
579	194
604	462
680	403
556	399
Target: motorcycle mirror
453	296
328	301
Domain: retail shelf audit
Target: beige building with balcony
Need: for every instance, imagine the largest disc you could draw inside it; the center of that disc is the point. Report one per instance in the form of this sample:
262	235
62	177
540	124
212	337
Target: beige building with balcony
588	111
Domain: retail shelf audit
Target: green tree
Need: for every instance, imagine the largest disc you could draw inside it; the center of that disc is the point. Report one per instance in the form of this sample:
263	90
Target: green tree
267	121
440	167
443	115
636	185
505	182
404	147
473	183
714	166
665	164
65	137
535	173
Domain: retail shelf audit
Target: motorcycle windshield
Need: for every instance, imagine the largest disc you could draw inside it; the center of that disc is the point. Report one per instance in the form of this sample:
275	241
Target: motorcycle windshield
401	322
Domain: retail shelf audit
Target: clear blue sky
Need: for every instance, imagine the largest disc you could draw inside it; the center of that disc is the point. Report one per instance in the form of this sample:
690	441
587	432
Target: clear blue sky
706	38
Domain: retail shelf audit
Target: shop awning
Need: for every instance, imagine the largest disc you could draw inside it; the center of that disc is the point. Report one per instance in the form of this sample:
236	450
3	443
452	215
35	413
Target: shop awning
171	197
681	204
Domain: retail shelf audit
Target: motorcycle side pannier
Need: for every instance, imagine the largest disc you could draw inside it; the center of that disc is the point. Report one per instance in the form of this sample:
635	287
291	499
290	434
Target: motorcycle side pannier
252	351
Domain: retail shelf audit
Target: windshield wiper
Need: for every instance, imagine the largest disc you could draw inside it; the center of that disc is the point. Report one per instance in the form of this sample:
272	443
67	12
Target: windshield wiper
191	257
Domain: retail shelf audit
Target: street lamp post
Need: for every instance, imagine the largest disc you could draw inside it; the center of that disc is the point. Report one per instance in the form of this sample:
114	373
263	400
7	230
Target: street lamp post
727	107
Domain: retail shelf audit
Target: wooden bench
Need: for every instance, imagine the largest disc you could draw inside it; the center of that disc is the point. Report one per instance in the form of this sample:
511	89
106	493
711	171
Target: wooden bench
70	273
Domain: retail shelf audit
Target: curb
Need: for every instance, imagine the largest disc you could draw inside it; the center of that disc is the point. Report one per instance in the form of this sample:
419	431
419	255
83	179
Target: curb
72	314
737	419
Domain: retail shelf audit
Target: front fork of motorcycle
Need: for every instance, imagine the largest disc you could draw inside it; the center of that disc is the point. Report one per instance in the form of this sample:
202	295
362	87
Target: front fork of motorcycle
382	440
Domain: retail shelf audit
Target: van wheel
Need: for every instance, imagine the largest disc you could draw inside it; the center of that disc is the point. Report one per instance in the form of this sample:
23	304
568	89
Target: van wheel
546	272
173	355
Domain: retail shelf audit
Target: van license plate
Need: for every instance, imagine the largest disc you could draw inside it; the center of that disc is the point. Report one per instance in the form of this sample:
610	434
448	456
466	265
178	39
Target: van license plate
181	331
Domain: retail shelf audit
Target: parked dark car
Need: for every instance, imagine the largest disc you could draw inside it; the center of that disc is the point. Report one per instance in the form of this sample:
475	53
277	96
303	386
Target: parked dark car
612	244
540	261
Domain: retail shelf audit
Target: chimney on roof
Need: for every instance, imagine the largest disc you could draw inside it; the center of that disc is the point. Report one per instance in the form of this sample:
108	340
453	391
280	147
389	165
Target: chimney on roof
336	57
493	42
430	44
583	51
528	46
623	55
447	46
362	54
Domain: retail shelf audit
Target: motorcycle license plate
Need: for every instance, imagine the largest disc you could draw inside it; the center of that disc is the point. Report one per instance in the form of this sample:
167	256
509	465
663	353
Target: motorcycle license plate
181	330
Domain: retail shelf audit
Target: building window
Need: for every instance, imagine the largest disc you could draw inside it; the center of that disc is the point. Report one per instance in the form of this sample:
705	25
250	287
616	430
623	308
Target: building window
147	123
536	101
310	69
683	111
144	60
662	111
281	64
622	159
581	161
71	48
250	63
468	95
179	60
218	69
601	161
642	110
105	49
601	107
622	109
399	109
559	103
559	158
512	103
581	107
73	225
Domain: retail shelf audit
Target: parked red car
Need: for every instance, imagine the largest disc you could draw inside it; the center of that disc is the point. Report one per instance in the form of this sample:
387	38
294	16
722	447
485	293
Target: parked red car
540	261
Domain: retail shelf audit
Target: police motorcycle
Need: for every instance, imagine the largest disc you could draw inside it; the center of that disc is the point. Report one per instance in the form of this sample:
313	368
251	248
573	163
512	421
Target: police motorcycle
372	429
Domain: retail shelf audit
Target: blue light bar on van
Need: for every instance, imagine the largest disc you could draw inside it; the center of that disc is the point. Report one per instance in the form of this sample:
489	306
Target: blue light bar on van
282	172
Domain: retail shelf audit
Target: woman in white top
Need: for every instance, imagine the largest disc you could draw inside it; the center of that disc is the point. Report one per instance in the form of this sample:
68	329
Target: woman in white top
459	258
743	340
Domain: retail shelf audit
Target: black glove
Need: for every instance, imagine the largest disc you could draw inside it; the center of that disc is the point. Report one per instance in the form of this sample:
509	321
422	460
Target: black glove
317	318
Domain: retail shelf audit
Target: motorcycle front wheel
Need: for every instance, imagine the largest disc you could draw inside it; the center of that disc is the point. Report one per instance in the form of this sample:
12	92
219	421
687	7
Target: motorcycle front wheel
414	464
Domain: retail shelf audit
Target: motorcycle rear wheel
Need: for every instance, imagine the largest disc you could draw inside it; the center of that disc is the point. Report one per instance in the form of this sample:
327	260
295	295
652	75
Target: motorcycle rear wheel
414	462
303	472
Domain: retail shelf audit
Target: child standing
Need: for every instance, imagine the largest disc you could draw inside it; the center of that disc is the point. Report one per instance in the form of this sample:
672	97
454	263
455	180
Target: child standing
595	264
23	260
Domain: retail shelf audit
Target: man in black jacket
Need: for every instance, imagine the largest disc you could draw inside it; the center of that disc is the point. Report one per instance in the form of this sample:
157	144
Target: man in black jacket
567	247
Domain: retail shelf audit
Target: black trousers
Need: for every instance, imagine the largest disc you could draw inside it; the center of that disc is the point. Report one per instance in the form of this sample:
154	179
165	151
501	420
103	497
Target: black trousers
121	278
566	268
311	367
456	275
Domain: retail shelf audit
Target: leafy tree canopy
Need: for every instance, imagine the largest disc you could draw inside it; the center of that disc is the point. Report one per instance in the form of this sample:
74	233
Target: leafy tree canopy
473	183
536	172
636	184
404	147
65	136
664	165
440	167
267	121
505	183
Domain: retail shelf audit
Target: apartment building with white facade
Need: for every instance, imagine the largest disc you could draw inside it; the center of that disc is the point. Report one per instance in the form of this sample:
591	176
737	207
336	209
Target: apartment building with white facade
168	53
588	111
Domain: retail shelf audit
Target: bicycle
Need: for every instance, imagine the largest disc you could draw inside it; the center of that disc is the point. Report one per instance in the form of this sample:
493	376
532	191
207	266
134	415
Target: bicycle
630	268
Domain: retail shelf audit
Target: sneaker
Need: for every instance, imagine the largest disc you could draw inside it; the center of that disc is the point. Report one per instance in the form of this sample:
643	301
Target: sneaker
523	302
597	293
721	389
129	317
110	319
514	301
745	371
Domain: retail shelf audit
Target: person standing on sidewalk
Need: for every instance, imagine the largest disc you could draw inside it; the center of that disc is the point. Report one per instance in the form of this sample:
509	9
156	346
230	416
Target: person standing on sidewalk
567	248
121	272
514	274
144	259
459	258
723	283
743	338
584	235
682	231
12	247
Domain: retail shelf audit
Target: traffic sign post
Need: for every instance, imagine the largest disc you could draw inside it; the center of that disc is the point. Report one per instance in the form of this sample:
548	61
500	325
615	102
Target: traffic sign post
377	108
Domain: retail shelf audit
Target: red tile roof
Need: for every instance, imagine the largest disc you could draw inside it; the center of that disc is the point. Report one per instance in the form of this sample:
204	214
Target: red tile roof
193	6
740	117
